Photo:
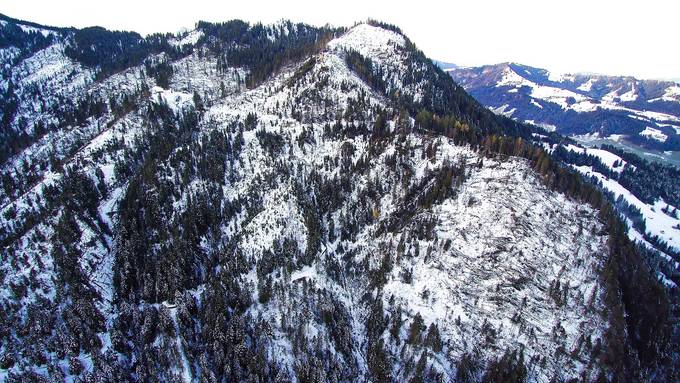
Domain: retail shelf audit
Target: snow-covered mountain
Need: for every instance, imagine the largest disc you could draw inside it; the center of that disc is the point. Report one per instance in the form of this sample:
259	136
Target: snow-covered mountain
642	112
289	203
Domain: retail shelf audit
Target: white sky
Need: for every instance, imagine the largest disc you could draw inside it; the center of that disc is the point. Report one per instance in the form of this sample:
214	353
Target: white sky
640	38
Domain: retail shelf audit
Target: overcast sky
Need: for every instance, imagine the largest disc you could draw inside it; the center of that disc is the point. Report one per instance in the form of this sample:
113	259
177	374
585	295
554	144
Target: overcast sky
640	38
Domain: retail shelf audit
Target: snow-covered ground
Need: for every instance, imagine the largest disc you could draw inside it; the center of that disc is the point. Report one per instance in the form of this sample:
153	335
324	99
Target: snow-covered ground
488	237
660	217
671	94
189	38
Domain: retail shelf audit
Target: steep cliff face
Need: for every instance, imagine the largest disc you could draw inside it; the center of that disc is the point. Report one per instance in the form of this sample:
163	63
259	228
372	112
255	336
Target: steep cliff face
264	203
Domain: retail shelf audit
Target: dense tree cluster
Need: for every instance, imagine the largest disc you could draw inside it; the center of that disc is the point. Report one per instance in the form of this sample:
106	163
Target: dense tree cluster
364	68
262	49
27	41
650	180
440	96
113	51
160	71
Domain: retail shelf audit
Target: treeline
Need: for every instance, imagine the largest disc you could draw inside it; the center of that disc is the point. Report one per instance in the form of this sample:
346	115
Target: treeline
12	35
114	51
671	143
648	181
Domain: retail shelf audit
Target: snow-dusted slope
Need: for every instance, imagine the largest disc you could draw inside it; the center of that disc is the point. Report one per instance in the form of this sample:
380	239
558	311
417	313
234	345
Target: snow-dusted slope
383	46
474	271
300	229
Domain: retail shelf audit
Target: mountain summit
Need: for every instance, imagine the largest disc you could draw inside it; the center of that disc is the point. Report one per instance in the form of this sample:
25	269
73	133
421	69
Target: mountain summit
289	203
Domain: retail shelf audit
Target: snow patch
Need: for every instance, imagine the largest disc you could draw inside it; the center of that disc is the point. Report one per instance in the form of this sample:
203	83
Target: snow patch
190	38
587	86
546	127
177	101
44	32
654	134
629	96
607	158
370	41
504	111
562	97
560	77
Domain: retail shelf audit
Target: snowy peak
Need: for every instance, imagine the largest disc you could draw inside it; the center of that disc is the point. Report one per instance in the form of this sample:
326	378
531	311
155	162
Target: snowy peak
371	41
386	50
622	88
511	77
504	73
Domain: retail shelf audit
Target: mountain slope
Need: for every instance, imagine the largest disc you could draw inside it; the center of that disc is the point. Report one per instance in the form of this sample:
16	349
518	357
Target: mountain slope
248	202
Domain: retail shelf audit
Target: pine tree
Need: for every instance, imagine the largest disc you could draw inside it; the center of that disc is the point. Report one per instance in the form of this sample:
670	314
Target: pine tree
433	339
414	332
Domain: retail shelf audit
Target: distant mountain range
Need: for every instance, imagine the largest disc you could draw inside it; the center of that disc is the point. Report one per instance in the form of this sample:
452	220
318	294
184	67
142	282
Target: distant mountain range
645	113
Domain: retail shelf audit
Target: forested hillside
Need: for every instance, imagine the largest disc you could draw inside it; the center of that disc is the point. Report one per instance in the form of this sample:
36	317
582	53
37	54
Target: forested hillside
291	203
